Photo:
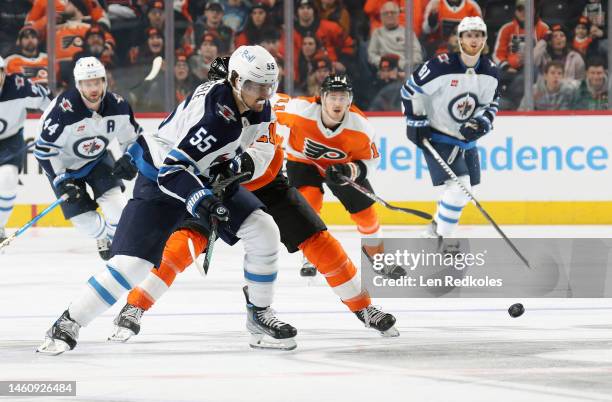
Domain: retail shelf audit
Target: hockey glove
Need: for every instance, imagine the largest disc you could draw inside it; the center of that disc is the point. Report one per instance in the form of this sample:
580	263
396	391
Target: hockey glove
124	168
475	128
417	129
203	204
72	190
247	165
336	174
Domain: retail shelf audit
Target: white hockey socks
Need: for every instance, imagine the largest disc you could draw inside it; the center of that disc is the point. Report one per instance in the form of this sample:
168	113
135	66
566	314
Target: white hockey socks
112	203
261	240
8	191
107	286
450	206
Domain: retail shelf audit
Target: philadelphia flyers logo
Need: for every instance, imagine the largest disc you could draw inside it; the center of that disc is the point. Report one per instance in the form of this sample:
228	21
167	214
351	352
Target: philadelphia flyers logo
314	150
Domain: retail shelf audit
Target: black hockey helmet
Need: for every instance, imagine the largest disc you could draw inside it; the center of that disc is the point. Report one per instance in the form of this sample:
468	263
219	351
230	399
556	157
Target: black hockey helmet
337	82
218	69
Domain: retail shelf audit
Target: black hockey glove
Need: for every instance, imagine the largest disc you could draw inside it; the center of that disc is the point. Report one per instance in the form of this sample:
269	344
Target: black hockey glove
204	205
72	190
247	165
475	128
417	129
124	168
354	171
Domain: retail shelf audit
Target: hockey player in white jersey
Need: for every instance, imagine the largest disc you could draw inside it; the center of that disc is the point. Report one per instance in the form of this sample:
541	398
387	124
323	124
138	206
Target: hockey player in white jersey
17	94
202	139
75	132
452	101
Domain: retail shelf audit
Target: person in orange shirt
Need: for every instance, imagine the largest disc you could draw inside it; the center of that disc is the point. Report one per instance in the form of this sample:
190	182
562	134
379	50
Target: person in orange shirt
29	61
330	140
510	42
582	37
37	17
300	228
441	17
372	9
509	54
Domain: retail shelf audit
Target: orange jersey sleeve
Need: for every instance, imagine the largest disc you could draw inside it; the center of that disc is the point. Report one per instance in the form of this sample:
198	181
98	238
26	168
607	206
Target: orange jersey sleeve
33	68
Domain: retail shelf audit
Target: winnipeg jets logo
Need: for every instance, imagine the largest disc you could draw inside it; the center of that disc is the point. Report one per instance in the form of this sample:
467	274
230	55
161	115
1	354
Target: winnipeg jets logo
462	107
225	112
90	148
118	98
66	105
19	82
314	150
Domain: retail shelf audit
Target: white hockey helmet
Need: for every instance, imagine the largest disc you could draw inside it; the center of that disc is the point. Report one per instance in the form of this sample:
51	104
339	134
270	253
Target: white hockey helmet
2	63
87	68
253	64
472	24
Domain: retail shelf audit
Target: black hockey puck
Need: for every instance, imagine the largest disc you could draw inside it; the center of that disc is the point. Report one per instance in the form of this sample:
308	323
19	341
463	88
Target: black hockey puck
516	310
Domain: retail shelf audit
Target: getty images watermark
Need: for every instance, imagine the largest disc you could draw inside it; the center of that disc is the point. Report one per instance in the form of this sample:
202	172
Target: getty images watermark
489	268
411	261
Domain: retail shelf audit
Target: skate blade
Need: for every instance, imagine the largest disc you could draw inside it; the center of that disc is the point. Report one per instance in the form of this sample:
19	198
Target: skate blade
262	341
53	347
390	333
121	335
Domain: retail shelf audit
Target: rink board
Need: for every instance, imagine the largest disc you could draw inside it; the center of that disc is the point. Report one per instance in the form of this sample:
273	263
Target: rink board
535	170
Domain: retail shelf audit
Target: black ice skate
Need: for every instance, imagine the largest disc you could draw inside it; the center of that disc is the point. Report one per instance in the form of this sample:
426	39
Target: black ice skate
388	271
267	331
104	246
375	318
308	270
127	323
61	337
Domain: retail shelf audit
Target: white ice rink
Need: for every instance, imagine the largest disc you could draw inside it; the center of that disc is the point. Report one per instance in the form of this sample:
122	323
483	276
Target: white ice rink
193	344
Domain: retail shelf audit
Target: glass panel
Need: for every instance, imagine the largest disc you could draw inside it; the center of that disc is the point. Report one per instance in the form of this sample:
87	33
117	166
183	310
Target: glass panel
23	47
570	56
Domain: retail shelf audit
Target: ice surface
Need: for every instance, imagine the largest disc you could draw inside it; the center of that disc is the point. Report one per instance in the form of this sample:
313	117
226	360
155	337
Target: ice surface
193	344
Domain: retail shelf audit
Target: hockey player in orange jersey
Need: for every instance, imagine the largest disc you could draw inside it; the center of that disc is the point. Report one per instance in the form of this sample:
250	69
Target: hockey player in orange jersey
330	138
300	228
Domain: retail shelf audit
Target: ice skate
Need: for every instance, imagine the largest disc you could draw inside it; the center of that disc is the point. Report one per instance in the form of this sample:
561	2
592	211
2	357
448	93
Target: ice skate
444	245
2	235
267	331
375	318
61	337
308	270
104	246
388	271
127	323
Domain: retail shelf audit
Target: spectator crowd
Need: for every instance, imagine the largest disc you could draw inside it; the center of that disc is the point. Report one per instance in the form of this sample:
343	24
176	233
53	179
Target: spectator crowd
365	38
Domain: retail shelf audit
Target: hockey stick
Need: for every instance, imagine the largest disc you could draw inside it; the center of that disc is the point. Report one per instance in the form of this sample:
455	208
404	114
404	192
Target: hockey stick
18	152
25	227
155	69
376	198
467	192
218	188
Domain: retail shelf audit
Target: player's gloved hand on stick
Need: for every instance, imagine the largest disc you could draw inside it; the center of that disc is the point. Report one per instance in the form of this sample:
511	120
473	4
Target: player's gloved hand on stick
337	173
124	168
417	128
71	189
247	165
475	128
203	204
